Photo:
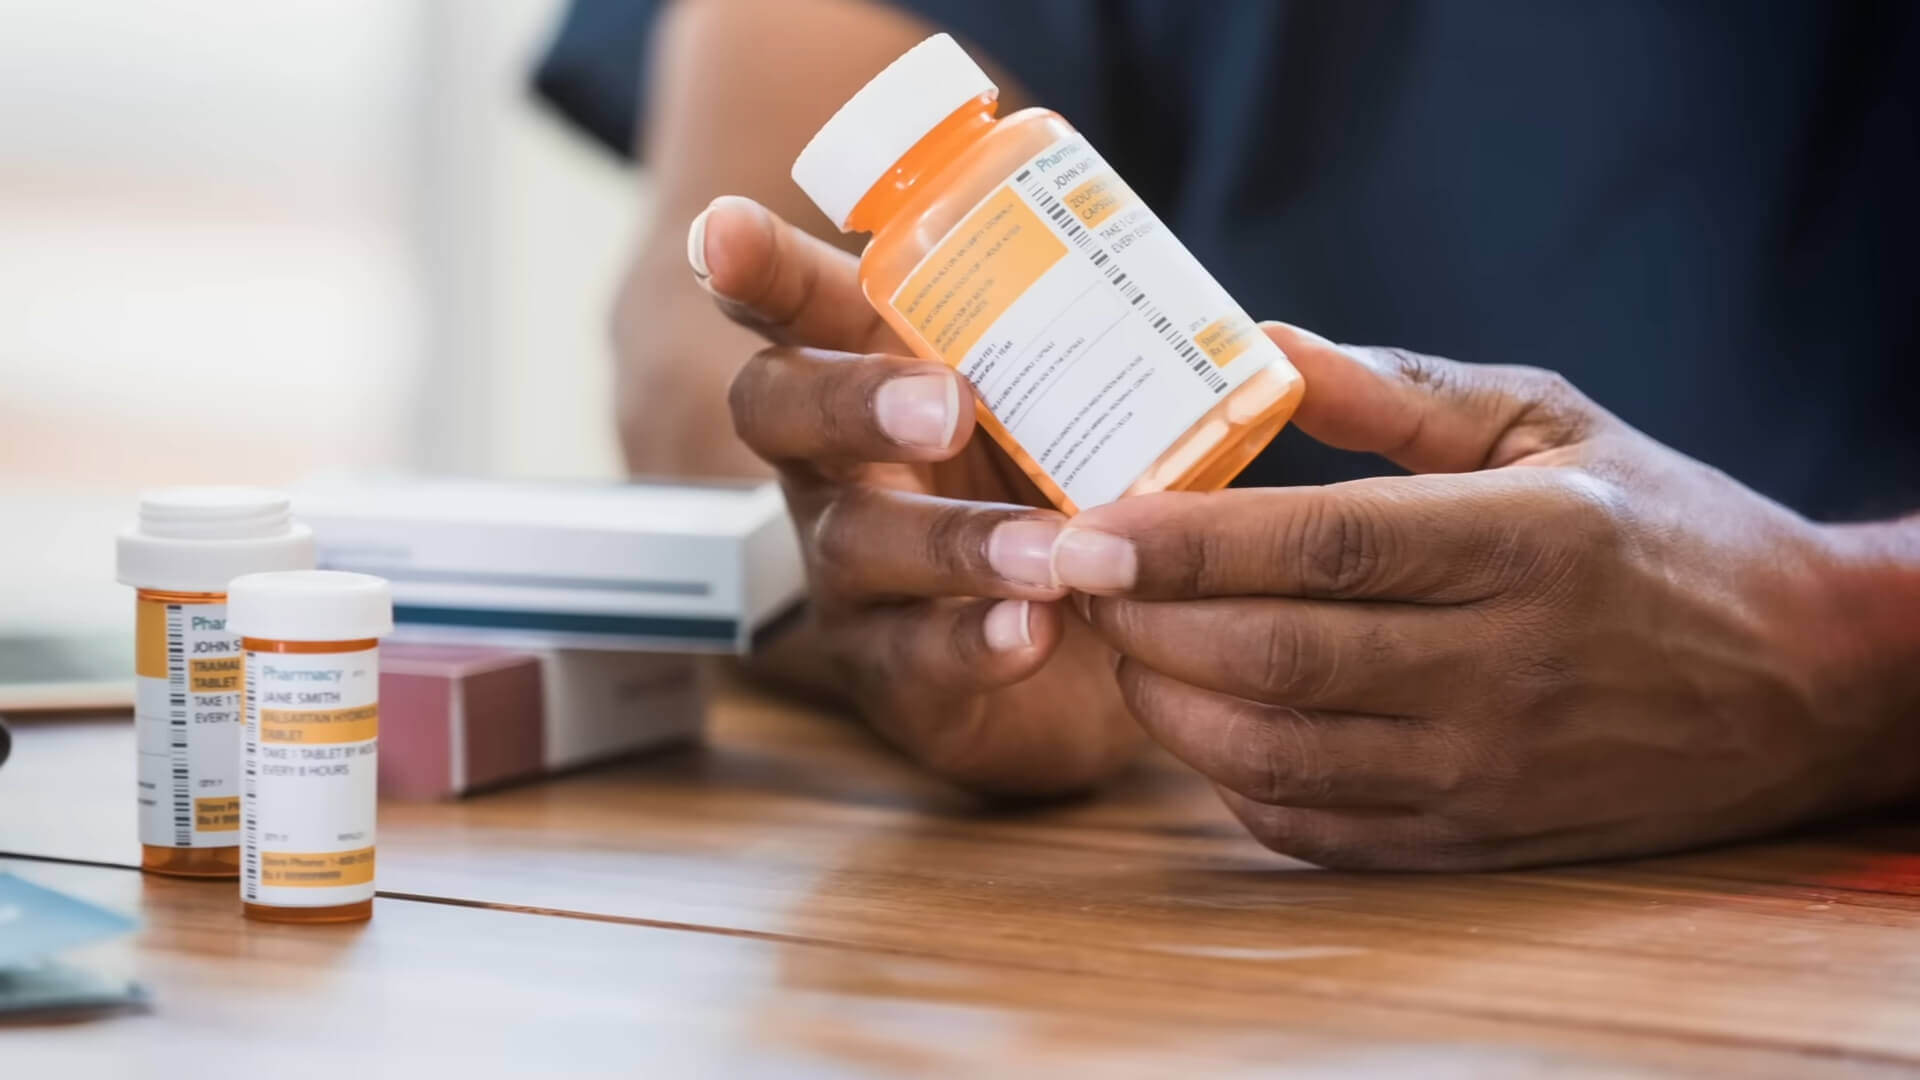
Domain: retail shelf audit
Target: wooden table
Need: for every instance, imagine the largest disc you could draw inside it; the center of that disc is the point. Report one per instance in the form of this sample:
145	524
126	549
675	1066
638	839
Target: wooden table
792	900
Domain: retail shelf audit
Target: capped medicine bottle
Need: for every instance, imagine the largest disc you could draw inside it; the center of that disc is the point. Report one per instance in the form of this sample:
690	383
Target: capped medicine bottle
181	552
310	751
1107	361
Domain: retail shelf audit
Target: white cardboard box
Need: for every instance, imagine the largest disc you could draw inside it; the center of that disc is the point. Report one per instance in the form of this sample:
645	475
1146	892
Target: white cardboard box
601	705
653	566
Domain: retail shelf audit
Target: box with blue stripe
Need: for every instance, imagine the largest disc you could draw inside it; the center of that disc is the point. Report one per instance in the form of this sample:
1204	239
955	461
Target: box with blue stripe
662	567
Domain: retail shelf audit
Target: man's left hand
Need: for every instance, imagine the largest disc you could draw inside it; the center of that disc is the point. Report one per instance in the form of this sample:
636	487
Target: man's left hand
1558	640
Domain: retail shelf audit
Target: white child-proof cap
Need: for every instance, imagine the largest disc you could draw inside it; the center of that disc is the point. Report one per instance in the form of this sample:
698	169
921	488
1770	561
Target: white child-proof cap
196	539
878	125
310	605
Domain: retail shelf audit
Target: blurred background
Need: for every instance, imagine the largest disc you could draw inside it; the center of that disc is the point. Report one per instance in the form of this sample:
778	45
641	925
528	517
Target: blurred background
243	241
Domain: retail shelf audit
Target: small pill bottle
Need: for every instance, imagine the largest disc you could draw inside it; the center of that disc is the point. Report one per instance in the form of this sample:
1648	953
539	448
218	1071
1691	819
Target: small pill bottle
179	555
309	755
1107	361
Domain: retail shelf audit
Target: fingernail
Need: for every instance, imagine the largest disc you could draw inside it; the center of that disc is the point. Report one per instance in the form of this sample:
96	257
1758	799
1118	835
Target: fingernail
1364	357
1101	562
697	248
919	410
1006	626
1297	331
1022	551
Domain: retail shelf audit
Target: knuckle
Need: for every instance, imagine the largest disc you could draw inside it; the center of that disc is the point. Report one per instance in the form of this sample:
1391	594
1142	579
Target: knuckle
1272	667
1541	676
1192	559
954	540
1417	368
1268	777
841	404
1125	622
1510	549
1285	764
1551	411
1544	386
806	288
1587	511
834	541
1139	691
1342	551
1449	773
782	287
1199	562
744	399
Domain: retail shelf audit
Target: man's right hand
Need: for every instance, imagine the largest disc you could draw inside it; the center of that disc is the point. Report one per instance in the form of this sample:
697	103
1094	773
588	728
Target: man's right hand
931	603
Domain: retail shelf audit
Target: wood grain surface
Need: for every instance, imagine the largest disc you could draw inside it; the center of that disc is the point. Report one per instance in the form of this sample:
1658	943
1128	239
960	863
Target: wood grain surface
791	898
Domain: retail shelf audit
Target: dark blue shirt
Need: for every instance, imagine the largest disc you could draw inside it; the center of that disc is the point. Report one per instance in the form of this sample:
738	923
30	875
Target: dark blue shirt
1702	213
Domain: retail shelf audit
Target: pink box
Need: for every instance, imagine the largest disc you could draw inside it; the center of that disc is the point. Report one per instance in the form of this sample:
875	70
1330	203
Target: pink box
461	718
454	718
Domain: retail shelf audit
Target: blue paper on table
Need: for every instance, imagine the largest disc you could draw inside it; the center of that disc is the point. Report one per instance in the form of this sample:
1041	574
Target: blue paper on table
37	923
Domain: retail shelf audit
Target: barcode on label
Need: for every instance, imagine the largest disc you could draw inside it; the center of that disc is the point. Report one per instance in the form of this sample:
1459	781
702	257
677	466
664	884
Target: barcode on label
1099	256
177	756
249	790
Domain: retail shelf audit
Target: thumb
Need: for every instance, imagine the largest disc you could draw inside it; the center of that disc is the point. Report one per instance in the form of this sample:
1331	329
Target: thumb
1427	414
779	280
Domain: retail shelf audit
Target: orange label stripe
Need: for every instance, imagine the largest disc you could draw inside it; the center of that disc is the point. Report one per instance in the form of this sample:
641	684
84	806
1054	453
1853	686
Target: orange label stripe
1099	199
313	727
976	273
217	813
218	675
1223	340
316	870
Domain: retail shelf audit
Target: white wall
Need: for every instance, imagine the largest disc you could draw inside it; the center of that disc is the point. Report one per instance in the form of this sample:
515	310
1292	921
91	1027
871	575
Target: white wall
524	226
334	231
240	241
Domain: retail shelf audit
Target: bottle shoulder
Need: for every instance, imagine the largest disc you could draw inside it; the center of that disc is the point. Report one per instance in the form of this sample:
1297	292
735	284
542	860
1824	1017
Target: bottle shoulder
972	176
1011	143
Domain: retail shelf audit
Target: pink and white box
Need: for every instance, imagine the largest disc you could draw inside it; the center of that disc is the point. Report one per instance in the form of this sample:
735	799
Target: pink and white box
459	718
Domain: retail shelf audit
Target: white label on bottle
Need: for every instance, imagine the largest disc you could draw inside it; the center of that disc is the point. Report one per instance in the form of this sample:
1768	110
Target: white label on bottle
1091	333
308	776
186	719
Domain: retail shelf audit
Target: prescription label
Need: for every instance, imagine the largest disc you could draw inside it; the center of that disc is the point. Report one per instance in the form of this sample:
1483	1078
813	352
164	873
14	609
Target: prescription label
309	767
1088	329
186	722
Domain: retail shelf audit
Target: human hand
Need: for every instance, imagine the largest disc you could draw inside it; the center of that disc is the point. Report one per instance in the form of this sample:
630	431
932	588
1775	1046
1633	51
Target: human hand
931	607
1565	641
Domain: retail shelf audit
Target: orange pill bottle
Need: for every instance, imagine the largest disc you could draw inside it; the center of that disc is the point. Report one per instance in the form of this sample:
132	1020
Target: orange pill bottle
186	545
1106	360
309	763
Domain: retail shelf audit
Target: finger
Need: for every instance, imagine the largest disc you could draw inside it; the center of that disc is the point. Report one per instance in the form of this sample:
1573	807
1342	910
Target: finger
980	719
1292	757
792	405
1424	539
937	652
947	646
1357	839
784	283
1427	414
870	542
1398	659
